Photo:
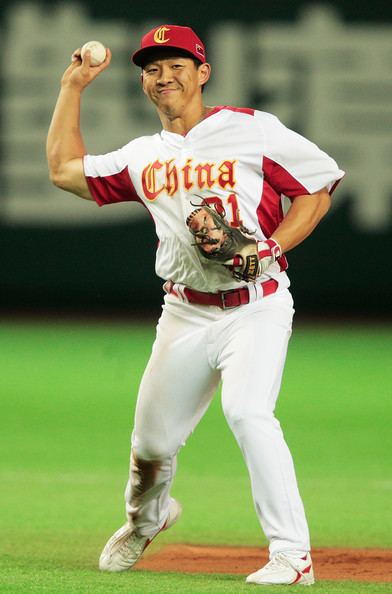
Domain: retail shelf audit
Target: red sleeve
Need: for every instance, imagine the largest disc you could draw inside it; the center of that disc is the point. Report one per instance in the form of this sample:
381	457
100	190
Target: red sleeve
281	180
109	189
292	164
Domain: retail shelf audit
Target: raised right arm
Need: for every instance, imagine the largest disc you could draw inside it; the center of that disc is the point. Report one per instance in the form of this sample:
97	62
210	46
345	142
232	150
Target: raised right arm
65	146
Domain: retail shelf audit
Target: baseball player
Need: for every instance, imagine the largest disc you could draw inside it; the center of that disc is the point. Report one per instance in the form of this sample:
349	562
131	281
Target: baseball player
213	180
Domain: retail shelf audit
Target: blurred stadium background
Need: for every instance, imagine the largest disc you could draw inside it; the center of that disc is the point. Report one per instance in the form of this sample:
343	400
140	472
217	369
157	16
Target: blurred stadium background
67	390
324	68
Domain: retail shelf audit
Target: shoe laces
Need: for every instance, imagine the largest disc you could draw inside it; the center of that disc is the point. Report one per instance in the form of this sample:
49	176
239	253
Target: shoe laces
134	544
280	559
276	561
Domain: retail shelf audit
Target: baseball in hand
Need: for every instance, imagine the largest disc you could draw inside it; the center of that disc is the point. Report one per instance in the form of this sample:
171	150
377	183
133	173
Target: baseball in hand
97	52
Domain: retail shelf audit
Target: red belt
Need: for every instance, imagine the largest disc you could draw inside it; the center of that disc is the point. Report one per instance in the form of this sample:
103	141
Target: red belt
226	299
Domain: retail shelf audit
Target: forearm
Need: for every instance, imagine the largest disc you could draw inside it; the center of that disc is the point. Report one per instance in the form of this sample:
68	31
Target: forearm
65	146
302	218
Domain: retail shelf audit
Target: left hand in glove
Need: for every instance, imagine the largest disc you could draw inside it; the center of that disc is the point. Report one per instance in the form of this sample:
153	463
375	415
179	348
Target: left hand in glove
217	240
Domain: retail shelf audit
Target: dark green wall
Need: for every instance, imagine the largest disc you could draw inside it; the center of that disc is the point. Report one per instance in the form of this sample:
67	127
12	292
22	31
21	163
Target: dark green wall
203	13
337	270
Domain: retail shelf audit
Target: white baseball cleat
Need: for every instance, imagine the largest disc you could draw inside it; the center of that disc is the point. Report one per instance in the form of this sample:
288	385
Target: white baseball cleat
126	546
284	569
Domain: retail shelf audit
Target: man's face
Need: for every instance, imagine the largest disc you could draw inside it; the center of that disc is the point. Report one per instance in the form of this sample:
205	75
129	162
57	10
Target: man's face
172	82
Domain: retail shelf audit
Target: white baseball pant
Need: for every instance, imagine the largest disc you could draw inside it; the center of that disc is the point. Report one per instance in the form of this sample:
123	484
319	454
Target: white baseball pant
197	346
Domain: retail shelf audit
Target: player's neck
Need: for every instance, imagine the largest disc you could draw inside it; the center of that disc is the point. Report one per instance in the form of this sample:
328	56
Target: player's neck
182	121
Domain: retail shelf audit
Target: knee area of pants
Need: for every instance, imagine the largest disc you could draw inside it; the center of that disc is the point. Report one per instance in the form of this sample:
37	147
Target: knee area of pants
152	453
237	417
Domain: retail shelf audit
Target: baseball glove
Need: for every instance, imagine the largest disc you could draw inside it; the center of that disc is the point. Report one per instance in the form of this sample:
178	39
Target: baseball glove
216	240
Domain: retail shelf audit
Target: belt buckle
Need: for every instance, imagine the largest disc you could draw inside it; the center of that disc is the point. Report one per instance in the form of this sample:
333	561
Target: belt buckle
223	297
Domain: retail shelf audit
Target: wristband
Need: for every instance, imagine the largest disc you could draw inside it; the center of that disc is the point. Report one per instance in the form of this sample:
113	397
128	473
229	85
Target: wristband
269	248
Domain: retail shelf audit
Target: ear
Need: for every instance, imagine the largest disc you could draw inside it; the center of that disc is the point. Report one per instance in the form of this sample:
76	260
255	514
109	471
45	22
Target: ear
204	73
141	79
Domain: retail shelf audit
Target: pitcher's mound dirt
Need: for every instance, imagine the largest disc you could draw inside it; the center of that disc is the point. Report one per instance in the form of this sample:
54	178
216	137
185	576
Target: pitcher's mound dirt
368	565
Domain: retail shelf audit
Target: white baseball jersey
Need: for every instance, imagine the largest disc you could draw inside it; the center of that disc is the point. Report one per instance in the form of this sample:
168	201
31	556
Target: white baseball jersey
242	159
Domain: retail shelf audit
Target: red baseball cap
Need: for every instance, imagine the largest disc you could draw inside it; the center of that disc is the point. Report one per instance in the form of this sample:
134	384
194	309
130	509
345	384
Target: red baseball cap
174	36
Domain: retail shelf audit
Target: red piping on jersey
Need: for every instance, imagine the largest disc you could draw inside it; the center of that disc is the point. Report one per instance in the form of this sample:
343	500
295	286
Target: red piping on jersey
281	180
333	188
219	108
277	181
109	189
270	215
269	211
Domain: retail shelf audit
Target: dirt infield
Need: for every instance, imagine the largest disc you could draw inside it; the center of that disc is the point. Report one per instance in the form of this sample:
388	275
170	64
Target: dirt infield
367	565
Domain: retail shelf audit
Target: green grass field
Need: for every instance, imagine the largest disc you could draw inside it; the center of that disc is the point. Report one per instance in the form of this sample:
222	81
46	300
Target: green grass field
67	399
